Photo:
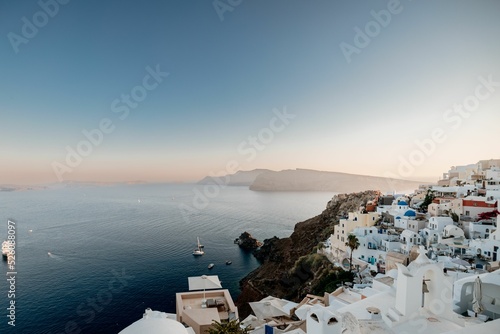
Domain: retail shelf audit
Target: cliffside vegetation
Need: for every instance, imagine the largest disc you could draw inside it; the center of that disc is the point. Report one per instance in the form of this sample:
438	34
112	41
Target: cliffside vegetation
291	267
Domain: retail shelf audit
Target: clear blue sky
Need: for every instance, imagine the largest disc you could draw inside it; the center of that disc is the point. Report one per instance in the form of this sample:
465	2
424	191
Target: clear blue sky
227	76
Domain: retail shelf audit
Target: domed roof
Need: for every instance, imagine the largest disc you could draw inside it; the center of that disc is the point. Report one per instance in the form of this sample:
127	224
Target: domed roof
154	322
402	203
410	213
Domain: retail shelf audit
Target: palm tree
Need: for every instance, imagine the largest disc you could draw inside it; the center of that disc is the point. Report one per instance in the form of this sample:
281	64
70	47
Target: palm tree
227	327
353	244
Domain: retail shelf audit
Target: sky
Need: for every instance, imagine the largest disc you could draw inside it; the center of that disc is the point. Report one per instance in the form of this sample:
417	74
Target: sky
172	91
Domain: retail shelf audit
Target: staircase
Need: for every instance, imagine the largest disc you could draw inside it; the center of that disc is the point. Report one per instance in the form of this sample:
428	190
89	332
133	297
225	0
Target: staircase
392	317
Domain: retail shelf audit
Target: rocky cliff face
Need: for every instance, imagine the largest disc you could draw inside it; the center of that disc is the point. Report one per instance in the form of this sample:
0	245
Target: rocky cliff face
290	267
247	242
312	180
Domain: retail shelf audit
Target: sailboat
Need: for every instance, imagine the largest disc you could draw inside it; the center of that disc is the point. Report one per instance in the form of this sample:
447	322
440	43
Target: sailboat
199	250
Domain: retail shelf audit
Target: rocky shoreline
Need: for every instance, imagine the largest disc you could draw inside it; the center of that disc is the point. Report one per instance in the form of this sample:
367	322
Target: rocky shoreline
247	242
290	267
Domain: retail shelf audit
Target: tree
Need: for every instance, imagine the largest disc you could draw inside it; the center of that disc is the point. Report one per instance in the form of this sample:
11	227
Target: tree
429	197
227	327
353	244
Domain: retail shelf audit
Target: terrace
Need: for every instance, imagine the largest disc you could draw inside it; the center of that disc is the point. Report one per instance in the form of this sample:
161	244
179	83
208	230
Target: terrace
200	309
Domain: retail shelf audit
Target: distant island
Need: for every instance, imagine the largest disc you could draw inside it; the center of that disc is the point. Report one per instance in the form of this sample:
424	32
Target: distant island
240	178
65	184
73	184
15	187
311	180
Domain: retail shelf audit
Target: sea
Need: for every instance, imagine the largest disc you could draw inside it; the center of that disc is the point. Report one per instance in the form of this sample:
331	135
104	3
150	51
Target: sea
91	259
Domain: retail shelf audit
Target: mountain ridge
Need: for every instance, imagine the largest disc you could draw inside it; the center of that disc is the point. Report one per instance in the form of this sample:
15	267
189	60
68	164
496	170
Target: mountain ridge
310	180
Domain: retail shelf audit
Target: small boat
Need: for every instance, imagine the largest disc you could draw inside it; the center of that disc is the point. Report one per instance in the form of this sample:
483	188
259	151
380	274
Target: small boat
199	250
228	262
211	265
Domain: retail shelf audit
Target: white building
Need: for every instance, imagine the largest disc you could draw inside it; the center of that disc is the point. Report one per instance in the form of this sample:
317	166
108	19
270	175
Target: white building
430	236
373	244
452	231
488	248
408	239
481	229
402	221
346	226
439	207
492	174
438	223
391	244
475	205
418	299
416	225
155	322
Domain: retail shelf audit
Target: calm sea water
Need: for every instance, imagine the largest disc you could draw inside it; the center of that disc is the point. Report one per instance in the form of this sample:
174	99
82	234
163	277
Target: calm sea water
114	251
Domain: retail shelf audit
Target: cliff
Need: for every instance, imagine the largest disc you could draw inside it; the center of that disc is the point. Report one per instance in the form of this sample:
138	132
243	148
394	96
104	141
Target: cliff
312	180
290	267
247	242
240	178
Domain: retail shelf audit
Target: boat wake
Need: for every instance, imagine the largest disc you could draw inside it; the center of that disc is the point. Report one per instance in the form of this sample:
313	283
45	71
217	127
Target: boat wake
53	256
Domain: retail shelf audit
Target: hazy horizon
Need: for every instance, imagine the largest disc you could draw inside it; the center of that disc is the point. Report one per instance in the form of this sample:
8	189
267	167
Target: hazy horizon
173	91
189	181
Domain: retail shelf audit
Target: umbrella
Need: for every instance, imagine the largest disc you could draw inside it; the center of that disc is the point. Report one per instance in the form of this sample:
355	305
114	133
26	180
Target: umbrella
268	308
204	282
477	307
